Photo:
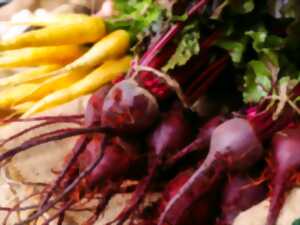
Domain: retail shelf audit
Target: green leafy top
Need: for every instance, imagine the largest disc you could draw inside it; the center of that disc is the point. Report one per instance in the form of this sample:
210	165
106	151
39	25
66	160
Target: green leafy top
296	222
136	16
187	47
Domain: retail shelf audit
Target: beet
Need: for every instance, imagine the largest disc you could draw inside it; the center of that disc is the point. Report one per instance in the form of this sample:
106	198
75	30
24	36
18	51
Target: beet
286	158
129	108
234	147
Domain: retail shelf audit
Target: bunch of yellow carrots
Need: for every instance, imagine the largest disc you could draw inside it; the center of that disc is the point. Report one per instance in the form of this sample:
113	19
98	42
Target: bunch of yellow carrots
68	56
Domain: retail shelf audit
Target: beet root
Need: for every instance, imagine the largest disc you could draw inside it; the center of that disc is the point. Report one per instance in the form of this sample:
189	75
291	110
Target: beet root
286	146
170	135
234	147
129	108
201	211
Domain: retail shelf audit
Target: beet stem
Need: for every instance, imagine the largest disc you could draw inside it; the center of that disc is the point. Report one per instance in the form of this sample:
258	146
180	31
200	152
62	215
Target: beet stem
66	134
172	32
58	214
99	209
71	162
40	118
196	186
137	196
199	144
21	133
68	189
277	199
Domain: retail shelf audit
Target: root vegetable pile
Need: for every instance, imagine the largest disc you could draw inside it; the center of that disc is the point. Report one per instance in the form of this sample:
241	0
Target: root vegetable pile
207	114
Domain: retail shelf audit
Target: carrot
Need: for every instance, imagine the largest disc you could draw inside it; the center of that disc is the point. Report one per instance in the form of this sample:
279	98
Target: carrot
112	46
11	96
40	56
22	77
89	30
23	107
51	19
56	83
110	70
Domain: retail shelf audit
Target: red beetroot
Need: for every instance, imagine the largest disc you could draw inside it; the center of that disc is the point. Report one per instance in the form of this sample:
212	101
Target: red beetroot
200	143
286	158
129	108
93	110
170	135
234	147
240	193
203	209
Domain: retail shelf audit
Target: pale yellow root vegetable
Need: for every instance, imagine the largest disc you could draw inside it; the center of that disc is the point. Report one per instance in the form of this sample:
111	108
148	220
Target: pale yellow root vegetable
11	96
90	30
23	107
25	76
111	46
51	19
56	83
109	71
28	57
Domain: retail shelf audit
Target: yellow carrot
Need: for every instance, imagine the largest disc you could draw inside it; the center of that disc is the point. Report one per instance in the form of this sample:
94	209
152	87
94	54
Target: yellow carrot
28	57
56	83
89	30
23	107
51	19
11	96
25	76
108	71
112	46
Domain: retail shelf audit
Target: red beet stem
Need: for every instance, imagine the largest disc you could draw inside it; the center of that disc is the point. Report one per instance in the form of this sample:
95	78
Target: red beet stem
58	214
277	200
68	189
137	197
39	118
206	78
21	133
200	143
99	209
62	134
263	123
79	148
172	32
200	182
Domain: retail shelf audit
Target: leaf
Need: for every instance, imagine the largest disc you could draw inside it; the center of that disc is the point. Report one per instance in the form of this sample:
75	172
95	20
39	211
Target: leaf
257	81
187	47
236	49
242	6
296	222
136	16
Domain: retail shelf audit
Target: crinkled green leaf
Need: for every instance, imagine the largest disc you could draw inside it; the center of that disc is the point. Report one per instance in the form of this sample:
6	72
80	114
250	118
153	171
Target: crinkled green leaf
296	222
242	6
257	81
136	16
258	36
236	49
187	47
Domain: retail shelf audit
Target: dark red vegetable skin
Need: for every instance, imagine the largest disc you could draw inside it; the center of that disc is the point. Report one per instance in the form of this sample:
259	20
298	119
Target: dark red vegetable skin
171	134
201	141
234	147
129	108
202	211
118	156
93	110
240	193
286	160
